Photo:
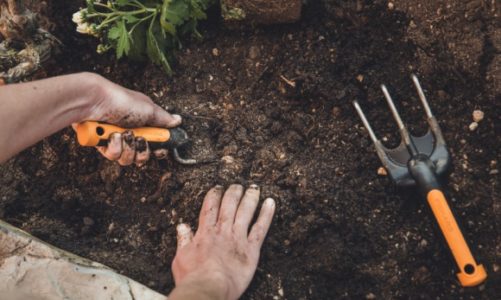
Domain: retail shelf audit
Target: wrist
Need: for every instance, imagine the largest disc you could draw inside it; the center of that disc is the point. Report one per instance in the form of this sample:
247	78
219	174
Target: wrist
204	285
92	90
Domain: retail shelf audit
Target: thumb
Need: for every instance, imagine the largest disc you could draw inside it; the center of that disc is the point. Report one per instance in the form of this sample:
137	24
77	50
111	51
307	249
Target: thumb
184	235
161	118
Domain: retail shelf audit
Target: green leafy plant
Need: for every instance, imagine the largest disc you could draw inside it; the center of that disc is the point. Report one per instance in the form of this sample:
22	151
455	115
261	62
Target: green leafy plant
142	28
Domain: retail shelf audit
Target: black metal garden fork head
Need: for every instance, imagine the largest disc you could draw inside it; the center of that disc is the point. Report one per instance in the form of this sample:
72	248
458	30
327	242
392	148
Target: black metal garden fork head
415	157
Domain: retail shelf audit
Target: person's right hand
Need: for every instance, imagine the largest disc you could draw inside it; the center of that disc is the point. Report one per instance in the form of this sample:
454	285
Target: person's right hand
221	259
123	107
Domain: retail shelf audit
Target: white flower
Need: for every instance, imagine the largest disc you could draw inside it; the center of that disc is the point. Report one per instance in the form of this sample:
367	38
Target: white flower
79	16
83	28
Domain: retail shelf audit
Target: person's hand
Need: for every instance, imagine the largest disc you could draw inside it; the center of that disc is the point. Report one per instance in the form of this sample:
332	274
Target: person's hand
221	259
123	107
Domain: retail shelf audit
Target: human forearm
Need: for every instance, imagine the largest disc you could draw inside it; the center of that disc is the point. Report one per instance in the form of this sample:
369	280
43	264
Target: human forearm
34	110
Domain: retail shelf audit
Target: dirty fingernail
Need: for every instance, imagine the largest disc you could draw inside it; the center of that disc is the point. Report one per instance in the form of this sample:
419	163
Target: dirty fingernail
141	144
128	137
269	202
254	186
177	118
218	187
183	229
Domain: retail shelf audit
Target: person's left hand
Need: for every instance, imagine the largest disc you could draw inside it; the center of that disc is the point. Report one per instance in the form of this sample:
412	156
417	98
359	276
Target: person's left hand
221	259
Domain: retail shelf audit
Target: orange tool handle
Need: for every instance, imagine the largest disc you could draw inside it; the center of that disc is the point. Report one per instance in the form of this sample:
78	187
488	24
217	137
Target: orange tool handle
470	274
91	133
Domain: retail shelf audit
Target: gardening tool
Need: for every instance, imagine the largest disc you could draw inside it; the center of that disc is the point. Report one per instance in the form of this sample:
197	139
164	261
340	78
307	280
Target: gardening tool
420	161
91	133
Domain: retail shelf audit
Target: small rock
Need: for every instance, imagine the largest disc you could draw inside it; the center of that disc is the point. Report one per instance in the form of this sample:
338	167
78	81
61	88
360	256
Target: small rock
421	276
478	115
494	172
336	111
370	296
228	159
423	243
412	24
391	6
253	52
111	227
215	52
442	95
382	171
281	292
473	126
360	77
143	199
88	221
495	268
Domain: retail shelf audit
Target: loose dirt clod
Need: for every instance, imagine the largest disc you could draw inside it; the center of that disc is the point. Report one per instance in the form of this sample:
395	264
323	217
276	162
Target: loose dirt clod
473	126
478	115
382	171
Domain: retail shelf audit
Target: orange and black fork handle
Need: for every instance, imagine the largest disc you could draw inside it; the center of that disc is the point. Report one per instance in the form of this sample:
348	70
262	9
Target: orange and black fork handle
470	273
91	133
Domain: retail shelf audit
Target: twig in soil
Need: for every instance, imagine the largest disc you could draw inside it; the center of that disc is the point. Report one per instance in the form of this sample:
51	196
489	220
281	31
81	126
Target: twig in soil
289	82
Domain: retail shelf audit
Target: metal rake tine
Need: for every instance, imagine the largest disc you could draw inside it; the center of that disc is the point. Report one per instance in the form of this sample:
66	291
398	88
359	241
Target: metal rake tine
404	133
365	121
422	97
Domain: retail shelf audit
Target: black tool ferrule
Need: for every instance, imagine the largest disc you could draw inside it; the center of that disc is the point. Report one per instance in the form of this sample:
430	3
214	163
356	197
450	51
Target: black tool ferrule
422	170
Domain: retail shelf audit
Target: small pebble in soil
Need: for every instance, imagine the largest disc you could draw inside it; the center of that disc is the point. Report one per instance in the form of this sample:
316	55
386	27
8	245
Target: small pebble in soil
88	221
370	296
360	77
473	126
143	199
494	172
336	111
215	52
281	292
478	115
111	227
391	6
423	243
253	52
382	171
495	268
227	159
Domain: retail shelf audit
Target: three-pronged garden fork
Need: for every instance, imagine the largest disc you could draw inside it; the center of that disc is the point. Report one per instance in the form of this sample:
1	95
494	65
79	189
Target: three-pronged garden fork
420	161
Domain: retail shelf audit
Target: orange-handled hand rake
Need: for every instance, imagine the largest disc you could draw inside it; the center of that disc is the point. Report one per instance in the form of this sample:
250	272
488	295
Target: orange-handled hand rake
419	161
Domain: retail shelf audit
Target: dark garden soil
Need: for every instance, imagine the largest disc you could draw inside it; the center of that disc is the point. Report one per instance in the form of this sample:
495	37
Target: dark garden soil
275	103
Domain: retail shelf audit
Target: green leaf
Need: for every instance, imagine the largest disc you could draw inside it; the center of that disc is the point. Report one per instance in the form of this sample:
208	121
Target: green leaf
175	11
155	43
90	6
130	19
123	44
122	2
114	33
138	43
